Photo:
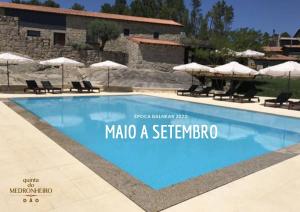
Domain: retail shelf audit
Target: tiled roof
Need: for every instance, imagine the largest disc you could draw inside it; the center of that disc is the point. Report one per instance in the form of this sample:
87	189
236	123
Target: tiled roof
88	14
279	57
154	41
272	49
292	46
288	38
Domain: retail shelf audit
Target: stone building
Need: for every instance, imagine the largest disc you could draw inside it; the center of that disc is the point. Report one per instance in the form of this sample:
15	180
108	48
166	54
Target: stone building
149	47
280	50
43	32
274	55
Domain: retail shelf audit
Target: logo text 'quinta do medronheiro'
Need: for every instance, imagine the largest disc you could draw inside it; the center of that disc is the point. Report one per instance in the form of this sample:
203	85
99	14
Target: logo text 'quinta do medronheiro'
31	191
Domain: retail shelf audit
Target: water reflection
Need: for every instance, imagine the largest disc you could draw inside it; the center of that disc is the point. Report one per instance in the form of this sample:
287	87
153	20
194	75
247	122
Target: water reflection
234	132
273	140
107	117
63	120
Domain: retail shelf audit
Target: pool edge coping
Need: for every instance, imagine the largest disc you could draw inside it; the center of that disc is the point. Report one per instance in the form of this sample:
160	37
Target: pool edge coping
225	106
170	98
144	196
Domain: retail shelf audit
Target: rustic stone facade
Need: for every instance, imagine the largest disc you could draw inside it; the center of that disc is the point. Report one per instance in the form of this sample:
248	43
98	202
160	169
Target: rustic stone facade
14	39
157	57
149	65
76	29
76	32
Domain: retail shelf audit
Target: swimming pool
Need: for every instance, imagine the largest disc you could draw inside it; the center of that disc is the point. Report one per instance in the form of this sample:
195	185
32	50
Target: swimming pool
242	135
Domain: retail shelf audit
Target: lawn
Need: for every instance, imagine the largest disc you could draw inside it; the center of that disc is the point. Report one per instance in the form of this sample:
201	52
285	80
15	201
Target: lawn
274	86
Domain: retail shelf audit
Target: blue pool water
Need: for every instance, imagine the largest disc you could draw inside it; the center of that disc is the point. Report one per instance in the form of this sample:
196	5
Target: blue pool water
242	135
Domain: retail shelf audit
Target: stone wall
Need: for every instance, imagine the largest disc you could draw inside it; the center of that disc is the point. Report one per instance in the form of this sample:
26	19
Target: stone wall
147	64
134	54
162	53
76	29
157	57
46	34
147	28
14	39
76	32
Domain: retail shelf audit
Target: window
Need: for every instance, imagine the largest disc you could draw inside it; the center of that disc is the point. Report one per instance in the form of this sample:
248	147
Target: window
33	33
126	32
156	35
59	38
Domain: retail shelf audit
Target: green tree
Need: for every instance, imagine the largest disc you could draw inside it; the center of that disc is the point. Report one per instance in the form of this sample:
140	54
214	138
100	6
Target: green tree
51	3
175	10
195	17
103	31
246	38
47	3
106	8
285	34
121	7
77	6
33	2
202	56
166	9
203	28
266	39
221	17
211	57
137	8
151	8
145	8
219	41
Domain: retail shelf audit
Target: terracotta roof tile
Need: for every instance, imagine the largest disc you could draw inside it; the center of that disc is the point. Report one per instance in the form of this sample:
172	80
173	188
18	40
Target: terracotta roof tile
279	57
88	14
292	46
272	49
288	38
153	41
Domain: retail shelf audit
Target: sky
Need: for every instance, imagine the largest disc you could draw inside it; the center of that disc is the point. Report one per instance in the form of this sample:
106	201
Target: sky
264	15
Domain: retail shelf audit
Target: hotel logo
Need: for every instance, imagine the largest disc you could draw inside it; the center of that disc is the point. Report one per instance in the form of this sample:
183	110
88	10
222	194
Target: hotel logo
31	191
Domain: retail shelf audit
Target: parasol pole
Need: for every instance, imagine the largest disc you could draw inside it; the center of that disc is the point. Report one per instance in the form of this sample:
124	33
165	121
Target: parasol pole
289	81
192	77
108	77
62	77
7	72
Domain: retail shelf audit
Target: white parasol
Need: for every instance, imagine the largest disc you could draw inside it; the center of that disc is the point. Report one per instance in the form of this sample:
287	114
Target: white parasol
193	67
287	69
235	68
62	61
8	58
108	65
